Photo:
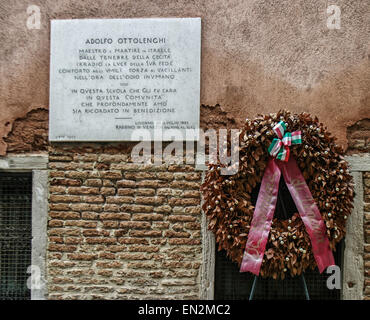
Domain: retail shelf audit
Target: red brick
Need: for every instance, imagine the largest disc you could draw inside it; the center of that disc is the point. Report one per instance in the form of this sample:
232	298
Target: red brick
111	174
191	194
55	223
184	241
56	174
161	225
65	182
187	176
119	199
163	209
84	190
147	217
114	216
59	206
180	218
65	232
131	240
174	234
82	256
180	168
134	225
136	208
57	189
126	184
73	240
107	191
192	225
94	182
183	201
151	183
64	215
184	185
139	175
89	215
106	255
143	248
125	192
64	198
86	157
110	224
149	200
56	239
111	158
94	232
111	207
145	233
76	174
93	199
62	248
87	207
101	240
193	210
144	192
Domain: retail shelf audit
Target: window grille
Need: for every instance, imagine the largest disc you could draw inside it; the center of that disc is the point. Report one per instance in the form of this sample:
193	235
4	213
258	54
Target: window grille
15	234
230	284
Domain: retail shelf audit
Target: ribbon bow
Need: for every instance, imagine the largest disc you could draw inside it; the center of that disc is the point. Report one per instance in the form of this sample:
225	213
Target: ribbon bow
279	147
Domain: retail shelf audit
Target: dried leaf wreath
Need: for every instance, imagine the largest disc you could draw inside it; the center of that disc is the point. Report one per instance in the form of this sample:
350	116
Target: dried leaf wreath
228	205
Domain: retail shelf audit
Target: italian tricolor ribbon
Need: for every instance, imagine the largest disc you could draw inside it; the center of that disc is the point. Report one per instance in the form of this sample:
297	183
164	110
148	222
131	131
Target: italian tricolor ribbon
264	212
279	147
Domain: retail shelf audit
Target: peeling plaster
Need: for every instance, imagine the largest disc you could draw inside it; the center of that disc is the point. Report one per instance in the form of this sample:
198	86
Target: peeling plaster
257	56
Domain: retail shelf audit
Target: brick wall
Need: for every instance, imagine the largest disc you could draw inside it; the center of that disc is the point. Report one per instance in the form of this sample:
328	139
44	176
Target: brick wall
29	133
366	179
358	136
123	231
119	230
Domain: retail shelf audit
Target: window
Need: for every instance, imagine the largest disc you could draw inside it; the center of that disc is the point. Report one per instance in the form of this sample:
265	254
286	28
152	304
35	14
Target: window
23	220
15	234
231	284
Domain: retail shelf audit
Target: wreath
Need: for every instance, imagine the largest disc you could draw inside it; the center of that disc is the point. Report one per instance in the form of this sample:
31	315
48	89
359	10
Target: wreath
228	201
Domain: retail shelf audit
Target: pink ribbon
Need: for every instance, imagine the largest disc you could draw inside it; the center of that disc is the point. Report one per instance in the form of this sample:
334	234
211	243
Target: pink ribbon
264	212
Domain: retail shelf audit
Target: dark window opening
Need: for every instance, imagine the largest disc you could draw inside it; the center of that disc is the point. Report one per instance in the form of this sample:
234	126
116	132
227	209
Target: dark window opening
15	234
230	284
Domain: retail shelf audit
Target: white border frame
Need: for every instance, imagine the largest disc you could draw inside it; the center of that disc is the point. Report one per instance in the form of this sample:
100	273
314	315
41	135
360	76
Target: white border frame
37	164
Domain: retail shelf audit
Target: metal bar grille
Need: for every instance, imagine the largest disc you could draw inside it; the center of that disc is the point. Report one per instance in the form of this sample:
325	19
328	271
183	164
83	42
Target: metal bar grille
230	284
15	234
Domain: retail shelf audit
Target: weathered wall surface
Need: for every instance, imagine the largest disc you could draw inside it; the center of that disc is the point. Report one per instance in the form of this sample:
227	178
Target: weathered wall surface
257	56
29	133
119	230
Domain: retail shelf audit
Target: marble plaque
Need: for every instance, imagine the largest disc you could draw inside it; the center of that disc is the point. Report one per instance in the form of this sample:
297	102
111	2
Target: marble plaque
110	78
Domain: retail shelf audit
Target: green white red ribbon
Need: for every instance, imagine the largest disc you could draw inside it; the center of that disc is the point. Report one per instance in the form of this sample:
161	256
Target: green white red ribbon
279	147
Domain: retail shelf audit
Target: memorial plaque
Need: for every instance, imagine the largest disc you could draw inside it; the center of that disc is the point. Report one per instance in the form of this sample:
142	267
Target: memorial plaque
110	77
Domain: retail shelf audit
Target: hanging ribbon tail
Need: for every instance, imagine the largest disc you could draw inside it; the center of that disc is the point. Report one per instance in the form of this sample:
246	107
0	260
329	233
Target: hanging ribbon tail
262	217
309	213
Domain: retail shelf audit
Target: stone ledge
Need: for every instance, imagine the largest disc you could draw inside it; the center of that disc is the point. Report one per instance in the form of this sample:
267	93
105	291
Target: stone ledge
24	162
